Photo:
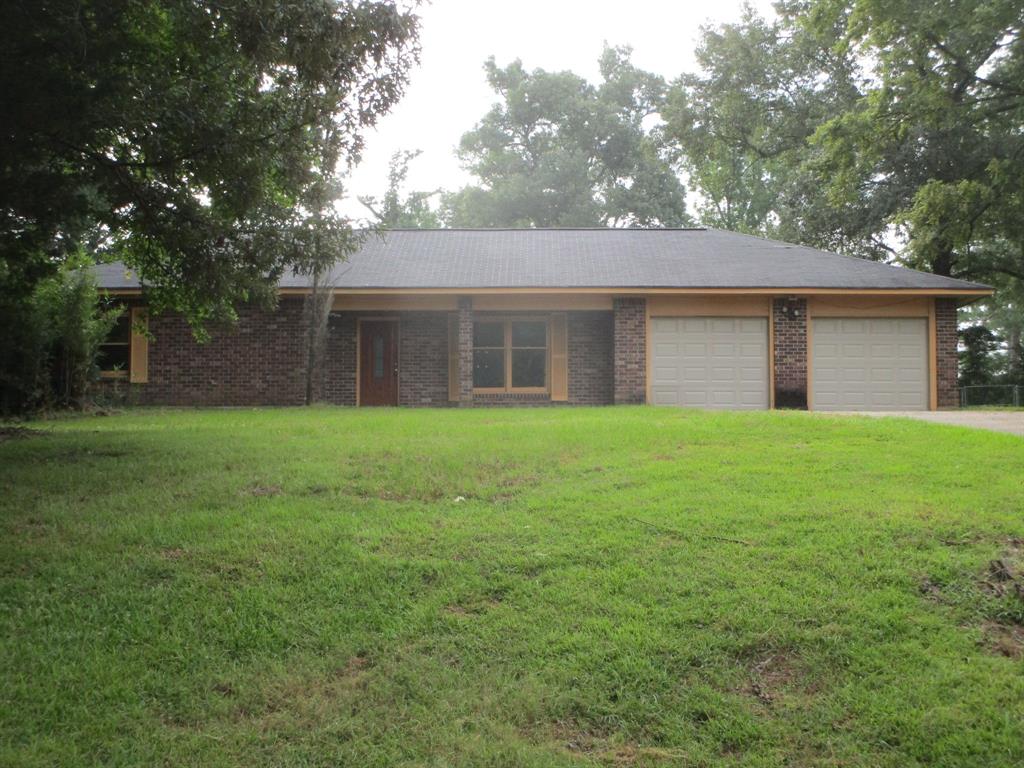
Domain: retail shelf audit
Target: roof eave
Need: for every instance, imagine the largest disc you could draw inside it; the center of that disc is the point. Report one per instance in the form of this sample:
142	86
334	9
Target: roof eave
977	292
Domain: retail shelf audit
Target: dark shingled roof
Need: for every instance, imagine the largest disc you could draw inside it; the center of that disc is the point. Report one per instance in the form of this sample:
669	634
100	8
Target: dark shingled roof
597	258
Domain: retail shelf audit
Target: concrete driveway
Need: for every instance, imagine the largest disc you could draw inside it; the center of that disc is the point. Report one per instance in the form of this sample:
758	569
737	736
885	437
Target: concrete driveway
996	421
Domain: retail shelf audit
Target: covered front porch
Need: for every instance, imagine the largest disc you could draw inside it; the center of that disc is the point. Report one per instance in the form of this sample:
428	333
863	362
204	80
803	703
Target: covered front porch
483	349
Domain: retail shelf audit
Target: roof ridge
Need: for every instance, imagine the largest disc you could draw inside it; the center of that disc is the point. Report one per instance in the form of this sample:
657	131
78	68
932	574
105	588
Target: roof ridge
541	229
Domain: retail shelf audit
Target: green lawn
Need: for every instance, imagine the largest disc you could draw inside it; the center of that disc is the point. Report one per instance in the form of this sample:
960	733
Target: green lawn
630	586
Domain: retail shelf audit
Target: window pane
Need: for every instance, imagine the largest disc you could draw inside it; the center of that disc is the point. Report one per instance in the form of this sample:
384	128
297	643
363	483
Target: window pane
114	357
378	357
488	334
122	330
531	333
488	368
528	367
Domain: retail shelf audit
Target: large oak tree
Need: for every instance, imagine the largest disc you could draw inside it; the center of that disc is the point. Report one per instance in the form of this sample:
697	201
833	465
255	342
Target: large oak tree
557	150
193	139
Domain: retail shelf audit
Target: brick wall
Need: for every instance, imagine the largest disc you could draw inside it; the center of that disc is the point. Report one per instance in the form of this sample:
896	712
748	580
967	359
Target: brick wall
790	353
591	356
339	378
630	350
465	336
260	361
423	358
946	360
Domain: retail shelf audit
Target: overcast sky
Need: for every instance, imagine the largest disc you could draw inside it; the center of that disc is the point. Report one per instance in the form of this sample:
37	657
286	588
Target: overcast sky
447	93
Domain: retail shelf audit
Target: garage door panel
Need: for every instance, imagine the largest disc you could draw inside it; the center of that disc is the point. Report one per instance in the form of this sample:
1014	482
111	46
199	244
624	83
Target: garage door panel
711	362
869	363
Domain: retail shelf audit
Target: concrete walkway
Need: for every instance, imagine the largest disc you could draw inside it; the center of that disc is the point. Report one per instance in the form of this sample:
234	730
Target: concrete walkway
996	421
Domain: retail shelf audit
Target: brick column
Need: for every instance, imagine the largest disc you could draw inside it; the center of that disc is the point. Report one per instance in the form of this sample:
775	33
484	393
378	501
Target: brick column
465	350
630	350
946	358
789	329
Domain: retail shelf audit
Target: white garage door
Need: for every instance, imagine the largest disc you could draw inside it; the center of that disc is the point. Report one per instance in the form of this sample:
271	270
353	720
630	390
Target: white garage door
710	362
870	364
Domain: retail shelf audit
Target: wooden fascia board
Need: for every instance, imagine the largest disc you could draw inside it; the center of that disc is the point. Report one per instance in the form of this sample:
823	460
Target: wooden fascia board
972	295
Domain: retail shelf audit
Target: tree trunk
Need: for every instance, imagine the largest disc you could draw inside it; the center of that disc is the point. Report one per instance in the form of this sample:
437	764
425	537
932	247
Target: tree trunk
1013	354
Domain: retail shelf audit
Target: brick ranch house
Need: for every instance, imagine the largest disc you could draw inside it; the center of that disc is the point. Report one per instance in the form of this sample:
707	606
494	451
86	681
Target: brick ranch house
687	317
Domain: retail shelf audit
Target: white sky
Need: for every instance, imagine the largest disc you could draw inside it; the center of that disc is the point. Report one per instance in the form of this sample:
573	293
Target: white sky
447	94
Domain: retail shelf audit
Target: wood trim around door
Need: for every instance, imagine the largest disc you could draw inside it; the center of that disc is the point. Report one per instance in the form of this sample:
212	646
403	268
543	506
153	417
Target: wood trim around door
810	358
933	367
359	354
771	353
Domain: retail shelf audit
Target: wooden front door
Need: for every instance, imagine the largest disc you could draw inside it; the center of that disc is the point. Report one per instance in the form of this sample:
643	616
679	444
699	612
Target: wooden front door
378	362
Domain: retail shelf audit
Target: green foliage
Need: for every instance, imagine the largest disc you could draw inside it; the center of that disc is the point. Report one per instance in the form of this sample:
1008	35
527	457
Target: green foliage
513	588
934	148
51	351
559	151
184	137
977	365
411	211
739	129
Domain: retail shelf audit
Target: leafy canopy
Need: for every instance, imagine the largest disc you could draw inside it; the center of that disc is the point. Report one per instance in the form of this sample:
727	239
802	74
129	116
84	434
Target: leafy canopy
739	127
934	148
195	140
399	209
559	151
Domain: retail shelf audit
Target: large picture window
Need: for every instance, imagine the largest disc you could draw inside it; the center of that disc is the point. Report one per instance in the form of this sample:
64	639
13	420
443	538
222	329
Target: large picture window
510	355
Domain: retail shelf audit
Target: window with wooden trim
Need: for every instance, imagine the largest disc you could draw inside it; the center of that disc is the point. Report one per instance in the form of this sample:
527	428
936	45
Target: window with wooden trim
115	353
510	355
124	354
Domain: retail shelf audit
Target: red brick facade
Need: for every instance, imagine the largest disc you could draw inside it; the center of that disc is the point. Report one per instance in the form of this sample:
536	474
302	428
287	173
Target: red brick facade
789	328
591	367
630	350
261	361
465	339
946	358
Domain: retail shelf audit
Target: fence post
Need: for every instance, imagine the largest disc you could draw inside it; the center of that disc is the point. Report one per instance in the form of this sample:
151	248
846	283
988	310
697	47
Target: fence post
963	397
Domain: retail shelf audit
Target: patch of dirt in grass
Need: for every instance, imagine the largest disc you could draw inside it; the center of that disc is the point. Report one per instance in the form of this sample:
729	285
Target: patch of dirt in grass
995	596
31	528
18	433
82	454
309	696
932	591
172	553
263	490
474	607
389	494
774	675
1005	639
583	742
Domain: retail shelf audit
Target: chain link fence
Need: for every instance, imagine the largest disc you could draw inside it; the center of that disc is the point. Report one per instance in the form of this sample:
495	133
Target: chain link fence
991	394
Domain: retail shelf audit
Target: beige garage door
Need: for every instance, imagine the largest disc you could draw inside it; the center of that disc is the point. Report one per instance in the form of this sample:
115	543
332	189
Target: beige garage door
869	364
710	362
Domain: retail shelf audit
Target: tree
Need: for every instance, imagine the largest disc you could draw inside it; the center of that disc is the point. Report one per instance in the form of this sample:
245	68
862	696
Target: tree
64	324
934	149
559	151
411	211
183	134
739	128
1004	314
977	366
